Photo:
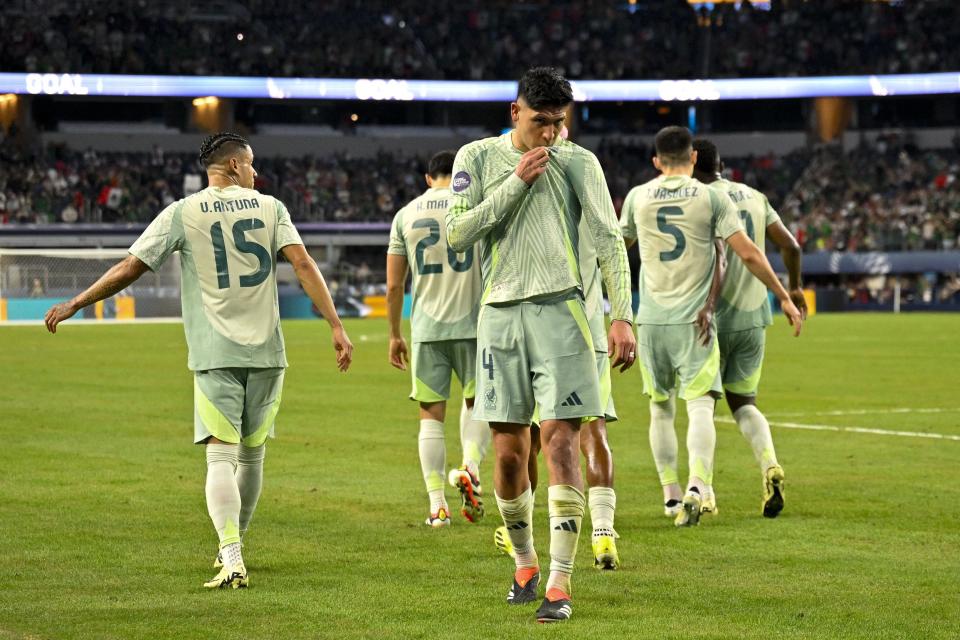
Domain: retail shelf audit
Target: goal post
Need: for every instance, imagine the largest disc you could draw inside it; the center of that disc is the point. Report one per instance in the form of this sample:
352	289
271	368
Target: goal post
32	280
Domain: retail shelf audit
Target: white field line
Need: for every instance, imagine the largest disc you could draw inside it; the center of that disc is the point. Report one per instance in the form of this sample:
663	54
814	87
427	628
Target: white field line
828	427
864	412
92	322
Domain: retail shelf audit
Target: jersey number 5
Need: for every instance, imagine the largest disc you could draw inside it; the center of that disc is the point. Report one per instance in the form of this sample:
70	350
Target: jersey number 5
673	230
455	263
240	227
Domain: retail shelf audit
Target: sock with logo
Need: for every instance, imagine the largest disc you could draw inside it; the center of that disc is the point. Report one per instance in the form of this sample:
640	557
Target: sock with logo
433	461
223	497
516	518
603	504
474	439
701	441
566	515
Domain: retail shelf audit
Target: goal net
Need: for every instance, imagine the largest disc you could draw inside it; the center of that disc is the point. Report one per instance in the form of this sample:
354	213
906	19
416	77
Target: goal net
31	280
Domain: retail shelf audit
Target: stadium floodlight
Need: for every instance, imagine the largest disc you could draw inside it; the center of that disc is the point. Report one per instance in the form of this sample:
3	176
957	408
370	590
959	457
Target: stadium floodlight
475	91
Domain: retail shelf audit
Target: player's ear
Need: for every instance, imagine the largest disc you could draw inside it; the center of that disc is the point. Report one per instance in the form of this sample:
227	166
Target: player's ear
515	112
656	163
428	179
693	157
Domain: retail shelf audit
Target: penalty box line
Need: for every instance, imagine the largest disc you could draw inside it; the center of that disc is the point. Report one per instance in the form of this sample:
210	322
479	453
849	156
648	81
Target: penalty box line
868	430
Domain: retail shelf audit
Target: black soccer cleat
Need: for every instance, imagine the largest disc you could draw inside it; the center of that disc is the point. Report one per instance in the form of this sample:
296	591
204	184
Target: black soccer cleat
554	611
526	593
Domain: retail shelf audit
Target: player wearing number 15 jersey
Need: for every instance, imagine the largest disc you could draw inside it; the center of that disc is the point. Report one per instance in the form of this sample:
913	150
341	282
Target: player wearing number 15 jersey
228	236
675	219
443	319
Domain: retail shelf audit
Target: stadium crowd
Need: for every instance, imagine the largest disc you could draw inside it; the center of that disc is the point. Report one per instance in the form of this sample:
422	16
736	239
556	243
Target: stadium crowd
886	196
493	40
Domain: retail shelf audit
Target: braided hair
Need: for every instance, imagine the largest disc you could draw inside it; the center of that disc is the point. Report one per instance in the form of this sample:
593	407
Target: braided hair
220	146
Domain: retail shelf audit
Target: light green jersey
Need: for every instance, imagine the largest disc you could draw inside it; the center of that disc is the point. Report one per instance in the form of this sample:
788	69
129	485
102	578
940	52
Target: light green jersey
228	241
675	219
528	236
592	289
446	284
743	300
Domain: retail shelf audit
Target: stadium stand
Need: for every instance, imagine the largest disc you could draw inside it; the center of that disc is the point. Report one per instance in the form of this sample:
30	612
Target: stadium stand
401	39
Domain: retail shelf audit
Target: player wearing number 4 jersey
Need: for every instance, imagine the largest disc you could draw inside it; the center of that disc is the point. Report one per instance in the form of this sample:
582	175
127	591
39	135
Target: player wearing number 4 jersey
228	236
443	318
743	314
521	197
675	219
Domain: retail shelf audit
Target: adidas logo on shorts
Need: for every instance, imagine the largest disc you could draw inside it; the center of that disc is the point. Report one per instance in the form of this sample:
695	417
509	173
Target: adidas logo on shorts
573	400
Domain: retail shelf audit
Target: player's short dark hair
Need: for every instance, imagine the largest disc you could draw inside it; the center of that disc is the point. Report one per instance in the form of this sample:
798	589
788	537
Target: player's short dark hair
673	145
708	157
219	147
441	164
544	87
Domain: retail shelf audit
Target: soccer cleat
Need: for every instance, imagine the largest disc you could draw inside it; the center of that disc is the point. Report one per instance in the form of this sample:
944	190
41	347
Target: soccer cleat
439	519
470	493
605	556
523	593
235	578
708	505
218	561
773	492
672	507
502	541
556	610
689	515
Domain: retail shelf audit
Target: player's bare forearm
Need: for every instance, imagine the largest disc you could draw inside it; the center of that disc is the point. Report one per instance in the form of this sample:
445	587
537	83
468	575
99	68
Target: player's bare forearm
789	251
396	281
310	278
719	273
757	263
116	279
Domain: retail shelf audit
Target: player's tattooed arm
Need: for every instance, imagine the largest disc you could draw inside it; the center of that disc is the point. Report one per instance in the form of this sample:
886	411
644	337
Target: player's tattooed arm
116	279
705	315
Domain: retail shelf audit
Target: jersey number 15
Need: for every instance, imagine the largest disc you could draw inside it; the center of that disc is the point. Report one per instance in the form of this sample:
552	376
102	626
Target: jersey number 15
240	228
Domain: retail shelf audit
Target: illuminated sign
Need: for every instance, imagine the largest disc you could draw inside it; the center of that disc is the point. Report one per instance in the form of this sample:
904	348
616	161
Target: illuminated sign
474	91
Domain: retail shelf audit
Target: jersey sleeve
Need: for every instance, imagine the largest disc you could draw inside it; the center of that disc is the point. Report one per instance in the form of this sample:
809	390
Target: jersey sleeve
287	234
628	225
601	219
162	237
471	216
726	219
770	215
398	245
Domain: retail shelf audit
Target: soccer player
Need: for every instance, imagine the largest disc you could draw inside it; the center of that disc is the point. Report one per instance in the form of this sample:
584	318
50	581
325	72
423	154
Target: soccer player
228	236
521	197
675	218
743	314
443	319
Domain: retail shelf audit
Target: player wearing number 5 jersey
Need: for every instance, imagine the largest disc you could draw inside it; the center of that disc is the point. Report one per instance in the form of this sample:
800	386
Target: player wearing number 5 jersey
228	236
675	219
443	319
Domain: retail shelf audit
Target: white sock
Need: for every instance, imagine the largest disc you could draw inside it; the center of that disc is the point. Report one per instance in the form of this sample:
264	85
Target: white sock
603	504
566	515
663	440
755	428
474	439
516	518
433	461
232	556
249	482
701	441
223	497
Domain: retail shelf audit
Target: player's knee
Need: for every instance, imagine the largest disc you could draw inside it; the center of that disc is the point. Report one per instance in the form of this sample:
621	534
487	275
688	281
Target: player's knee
661	410
511	461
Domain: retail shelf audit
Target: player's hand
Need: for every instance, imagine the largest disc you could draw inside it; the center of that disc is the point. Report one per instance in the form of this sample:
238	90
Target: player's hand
532	164
705	325
794	317
622	345
343	347
398	353
57	314
799	300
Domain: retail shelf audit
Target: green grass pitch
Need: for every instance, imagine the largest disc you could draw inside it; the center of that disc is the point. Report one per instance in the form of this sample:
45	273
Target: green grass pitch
104	531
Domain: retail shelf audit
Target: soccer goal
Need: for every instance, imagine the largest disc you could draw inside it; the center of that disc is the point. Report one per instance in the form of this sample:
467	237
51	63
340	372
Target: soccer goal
31	280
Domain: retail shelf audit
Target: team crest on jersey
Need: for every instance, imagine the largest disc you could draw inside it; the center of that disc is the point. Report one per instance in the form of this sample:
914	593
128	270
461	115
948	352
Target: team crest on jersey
461	181
490	399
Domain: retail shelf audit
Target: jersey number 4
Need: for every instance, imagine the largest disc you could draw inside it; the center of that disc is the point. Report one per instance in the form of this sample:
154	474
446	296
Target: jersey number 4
240	228
452	258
